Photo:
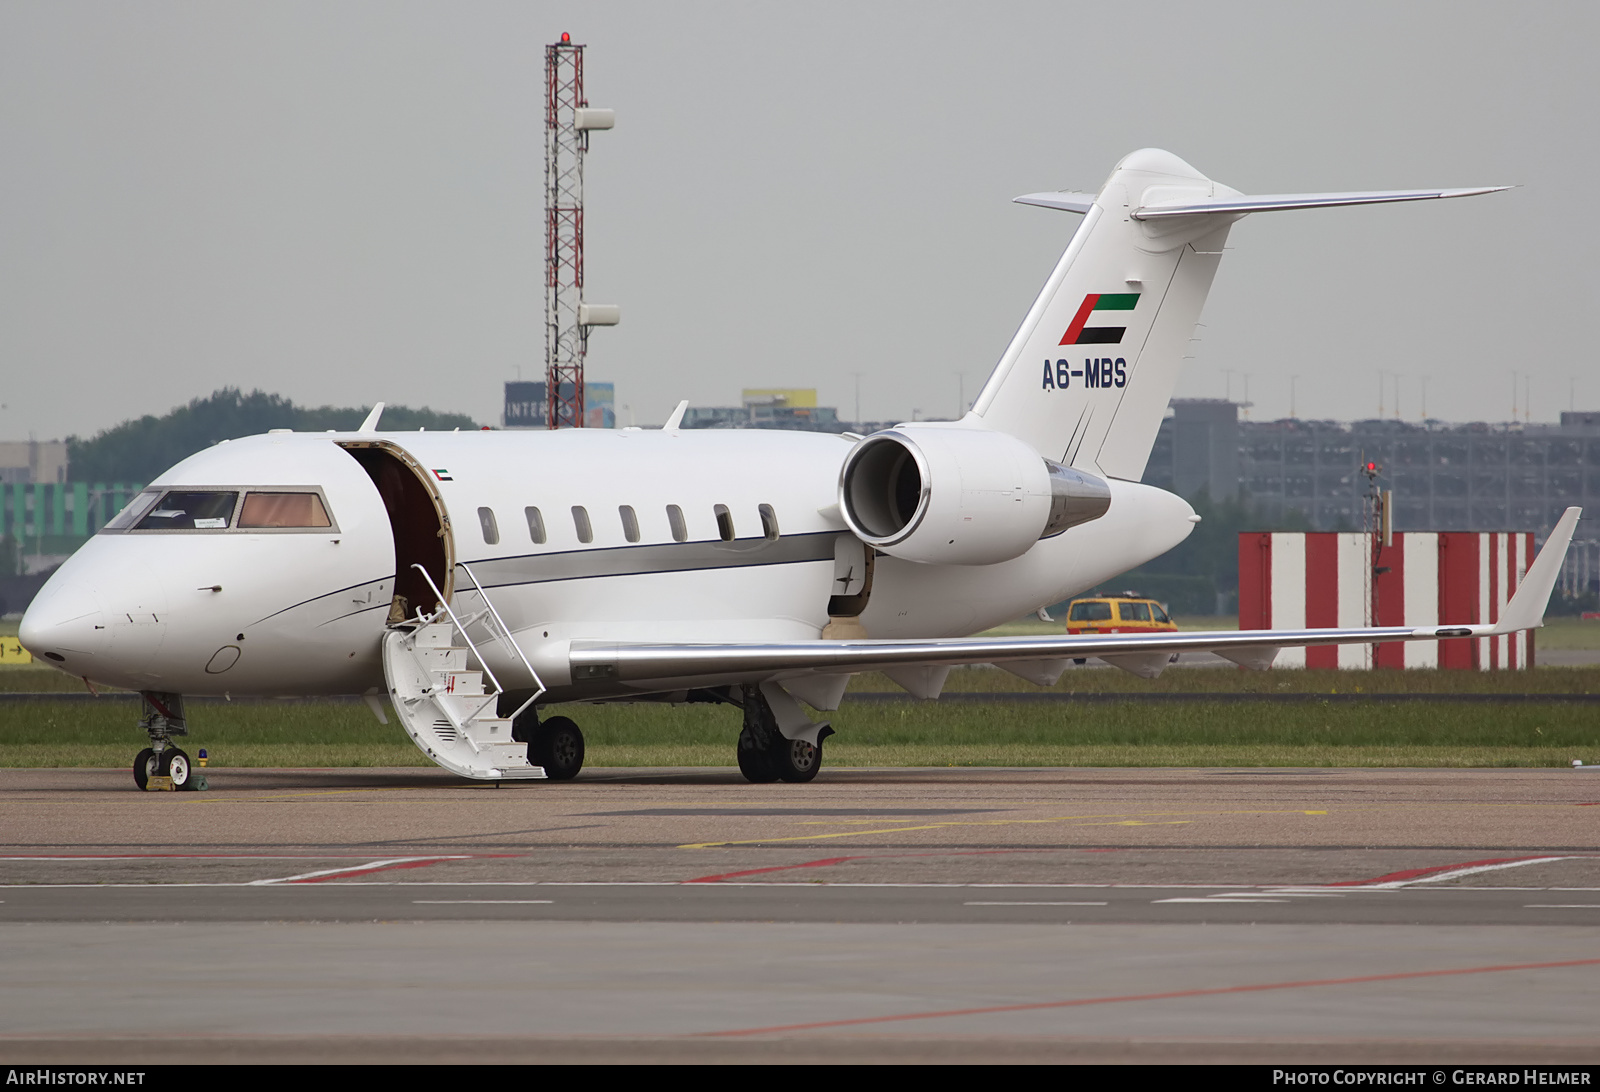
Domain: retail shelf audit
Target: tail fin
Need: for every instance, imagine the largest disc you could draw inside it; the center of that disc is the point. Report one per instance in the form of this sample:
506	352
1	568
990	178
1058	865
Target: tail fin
1087	378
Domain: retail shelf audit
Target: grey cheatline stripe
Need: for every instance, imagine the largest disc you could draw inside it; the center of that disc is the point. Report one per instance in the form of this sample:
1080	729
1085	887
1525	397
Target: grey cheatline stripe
661	557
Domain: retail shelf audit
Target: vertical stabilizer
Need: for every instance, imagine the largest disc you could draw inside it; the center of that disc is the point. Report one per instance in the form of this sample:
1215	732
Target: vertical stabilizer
1087	378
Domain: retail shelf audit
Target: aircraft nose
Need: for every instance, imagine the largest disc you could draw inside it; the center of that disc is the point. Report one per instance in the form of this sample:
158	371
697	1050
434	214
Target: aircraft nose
64	625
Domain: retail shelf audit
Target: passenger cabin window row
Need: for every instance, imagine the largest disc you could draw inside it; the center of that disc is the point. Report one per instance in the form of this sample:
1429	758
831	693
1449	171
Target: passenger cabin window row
628	517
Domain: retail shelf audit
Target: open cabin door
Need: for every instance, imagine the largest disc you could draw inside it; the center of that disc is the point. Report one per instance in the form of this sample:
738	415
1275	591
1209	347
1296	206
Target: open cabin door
419	521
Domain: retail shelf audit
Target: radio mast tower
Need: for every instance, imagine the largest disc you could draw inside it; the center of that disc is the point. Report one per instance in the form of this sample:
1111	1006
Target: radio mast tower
568	119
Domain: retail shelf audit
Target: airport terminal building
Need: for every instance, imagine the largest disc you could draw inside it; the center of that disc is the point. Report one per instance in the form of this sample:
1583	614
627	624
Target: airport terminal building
1445	477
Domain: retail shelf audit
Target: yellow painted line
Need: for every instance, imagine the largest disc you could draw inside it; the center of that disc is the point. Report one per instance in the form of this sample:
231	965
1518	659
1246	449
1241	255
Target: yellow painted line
208	799
1076	820
934	826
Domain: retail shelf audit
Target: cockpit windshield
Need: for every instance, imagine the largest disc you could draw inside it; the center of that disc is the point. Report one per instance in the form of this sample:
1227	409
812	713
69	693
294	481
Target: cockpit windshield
280	510
283	510
178	510
132	511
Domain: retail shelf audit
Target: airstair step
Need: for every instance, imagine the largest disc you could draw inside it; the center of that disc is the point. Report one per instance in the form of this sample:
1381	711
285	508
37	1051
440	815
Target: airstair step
459	682
442	659
434	635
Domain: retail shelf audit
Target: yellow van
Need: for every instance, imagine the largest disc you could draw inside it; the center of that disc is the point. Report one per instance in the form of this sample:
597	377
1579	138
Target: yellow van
1127	612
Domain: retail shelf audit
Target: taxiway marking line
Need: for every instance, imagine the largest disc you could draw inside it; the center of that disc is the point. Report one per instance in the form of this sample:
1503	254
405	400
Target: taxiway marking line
1035	904
326	874
929	826
1170	995
1449	872
192	857
826	861
1077	819
482	902
225	799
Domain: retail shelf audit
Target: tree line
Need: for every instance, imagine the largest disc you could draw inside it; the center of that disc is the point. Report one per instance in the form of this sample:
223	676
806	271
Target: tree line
140	449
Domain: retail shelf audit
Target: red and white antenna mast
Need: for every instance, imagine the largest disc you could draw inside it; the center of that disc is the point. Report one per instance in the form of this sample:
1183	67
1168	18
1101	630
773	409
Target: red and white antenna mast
568	119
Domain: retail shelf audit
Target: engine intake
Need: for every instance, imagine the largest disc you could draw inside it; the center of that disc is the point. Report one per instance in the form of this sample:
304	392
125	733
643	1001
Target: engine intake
958	495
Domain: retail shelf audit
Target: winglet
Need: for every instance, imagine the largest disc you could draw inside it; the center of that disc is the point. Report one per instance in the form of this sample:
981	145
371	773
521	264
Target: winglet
371	423
676	419
1526	609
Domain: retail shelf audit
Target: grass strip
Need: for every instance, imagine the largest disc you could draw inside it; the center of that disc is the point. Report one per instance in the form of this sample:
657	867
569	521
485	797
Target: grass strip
1191	733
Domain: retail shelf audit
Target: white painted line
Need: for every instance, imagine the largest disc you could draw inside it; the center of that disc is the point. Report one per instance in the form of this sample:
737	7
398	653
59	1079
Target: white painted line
356	870
1219	898
1033	904
482	902
1562	906
1454	872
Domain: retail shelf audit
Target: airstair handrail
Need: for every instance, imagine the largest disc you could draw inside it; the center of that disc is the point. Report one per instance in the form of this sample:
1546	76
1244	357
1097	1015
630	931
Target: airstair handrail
510	639
487	670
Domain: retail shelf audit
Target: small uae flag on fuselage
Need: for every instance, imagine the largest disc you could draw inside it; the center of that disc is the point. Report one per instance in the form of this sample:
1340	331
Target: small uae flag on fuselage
1081	333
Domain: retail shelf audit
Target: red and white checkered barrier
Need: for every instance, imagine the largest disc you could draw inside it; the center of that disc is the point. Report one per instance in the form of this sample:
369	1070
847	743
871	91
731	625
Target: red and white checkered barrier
1326	579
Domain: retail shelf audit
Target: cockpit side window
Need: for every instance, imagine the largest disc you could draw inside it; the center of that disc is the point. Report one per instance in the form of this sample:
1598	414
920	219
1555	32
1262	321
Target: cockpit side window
132	511
181	510
303	510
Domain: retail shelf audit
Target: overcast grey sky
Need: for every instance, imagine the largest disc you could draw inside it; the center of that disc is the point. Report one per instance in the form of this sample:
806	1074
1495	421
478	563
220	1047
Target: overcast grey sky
341	202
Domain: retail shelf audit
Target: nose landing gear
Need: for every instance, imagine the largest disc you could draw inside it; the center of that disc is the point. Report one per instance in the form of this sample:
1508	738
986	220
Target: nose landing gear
163	766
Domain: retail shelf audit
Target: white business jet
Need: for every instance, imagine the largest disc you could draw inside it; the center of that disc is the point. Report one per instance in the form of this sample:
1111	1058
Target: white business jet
477	578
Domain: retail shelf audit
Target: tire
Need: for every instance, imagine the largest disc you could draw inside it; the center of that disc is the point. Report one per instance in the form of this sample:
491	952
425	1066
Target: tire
144	768
557	745
754	763
796	761
177	765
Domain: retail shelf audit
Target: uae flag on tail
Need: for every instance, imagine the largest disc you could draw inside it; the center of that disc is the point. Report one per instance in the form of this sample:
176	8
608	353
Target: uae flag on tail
1090	310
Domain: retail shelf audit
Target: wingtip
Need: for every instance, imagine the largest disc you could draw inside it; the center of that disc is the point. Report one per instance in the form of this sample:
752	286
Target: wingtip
1532	597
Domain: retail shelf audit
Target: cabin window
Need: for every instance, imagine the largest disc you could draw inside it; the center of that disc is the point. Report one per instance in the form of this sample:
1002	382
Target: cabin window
491	529
186	511
580	520
1158	614
724	522
132	511
297	510
535	525
1134	612
680	530
769	522
630	522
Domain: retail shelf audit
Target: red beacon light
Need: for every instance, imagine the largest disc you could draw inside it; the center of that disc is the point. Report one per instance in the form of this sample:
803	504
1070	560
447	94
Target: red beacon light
565	38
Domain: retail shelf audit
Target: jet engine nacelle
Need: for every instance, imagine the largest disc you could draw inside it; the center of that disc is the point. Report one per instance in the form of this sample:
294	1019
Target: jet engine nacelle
957	495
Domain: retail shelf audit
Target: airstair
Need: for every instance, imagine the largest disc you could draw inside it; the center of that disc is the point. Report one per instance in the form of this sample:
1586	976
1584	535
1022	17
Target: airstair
441	700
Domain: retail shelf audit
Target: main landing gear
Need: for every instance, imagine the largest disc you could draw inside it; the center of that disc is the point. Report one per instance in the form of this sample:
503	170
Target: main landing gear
162	766
556	743
765	753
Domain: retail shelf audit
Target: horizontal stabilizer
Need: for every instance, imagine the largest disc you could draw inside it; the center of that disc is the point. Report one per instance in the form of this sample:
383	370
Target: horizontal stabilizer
1278	201
1066	202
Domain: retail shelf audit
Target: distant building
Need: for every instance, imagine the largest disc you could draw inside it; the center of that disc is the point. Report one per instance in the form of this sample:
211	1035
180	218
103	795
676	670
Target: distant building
1197	449
786	408
528	404
29	462
1445	477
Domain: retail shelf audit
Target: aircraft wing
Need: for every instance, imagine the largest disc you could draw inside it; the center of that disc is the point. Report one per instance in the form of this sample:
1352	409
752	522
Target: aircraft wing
647	665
